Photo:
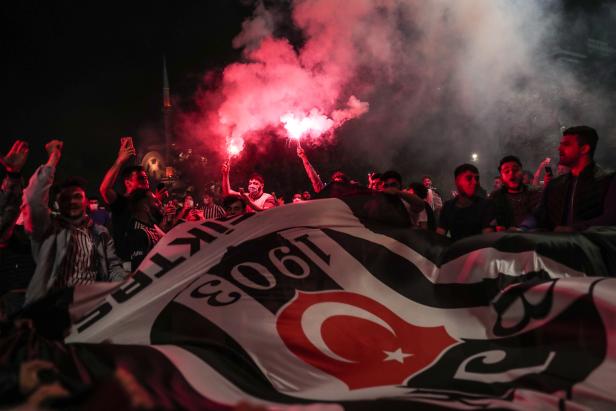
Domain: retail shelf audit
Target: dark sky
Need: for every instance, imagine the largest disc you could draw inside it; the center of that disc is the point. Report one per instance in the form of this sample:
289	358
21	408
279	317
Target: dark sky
89	72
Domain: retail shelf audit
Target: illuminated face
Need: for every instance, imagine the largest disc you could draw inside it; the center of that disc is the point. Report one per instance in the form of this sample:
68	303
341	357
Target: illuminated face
136	180
235	208
72	202
498	183
255	188
511	174
305	196
467	183
427	182
93	205
297	198
570	151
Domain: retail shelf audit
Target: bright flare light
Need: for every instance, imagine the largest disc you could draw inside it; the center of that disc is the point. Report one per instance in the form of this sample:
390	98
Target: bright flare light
235	145
474	156
314	124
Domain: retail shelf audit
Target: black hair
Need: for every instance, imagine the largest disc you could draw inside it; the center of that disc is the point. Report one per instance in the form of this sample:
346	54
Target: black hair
463	168
127	171
509	159
230	199
75	181
392	174
256	176
419	189
585	135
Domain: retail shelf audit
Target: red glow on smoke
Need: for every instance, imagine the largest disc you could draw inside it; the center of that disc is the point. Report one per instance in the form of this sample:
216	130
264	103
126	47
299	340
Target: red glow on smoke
299	125
304	93
235	145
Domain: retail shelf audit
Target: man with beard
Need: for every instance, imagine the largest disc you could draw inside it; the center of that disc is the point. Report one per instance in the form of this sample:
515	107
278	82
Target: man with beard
69	249
143	233
584	197
468	213
256	199
515	202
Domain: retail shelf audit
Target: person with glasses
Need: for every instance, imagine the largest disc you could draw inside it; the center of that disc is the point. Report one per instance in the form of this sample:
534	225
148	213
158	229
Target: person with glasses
468	214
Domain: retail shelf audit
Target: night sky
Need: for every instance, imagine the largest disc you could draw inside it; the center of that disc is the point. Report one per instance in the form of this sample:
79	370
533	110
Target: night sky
91	73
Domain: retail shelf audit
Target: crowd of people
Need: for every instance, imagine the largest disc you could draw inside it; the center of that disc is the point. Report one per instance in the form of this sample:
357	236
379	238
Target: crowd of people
53	235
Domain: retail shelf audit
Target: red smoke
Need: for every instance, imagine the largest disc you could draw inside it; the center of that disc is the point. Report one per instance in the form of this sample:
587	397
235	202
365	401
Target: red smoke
300	93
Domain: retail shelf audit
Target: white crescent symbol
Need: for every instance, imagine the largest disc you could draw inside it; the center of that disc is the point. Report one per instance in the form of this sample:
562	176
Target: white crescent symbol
314	316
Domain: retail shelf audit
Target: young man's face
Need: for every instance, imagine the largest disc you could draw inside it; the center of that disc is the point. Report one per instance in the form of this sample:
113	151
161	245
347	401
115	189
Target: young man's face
511	175
136	180
235	208
255	187
427	182
207	200
93	205
467	183
498	184
72	202
570	151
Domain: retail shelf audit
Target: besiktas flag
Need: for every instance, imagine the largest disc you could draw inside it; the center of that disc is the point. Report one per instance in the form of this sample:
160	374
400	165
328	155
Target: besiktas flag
332	302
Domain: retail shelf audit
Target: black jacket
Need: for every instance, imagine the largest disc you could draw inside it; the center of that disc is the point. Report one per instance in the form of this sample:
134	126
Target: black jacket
594	194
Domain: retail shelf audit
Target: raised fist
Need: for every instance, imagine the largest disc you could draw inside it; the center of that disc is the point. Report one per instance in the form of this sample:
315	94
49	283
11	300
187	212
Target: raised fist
54	146
15	159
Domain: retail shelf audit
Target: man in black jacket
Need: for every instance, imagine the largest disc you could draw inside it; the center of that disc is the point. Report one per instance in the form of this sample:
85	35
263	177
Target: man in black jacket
584	197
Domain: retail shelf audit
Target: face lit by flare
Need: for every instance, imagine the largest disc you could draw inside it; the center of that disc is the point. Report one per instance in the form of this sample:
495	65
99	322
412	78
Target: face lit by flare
255	188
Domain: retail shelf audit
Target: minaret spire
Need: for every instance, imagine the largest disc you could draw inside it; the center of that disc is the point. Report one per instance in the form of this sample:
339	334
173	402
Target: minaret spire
167	107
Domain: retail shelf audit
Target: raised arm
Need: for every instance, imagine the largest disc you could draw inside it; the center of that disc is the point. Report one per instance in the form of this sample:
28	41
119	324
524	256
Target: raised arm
317	184
11	187
226	187
127	150
37	216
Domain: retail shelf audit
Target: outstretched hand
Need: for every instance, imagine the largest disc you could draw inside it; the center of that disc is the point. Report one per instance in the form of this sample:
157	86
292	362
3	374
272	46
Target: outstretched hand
225	167
127	149
15	159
